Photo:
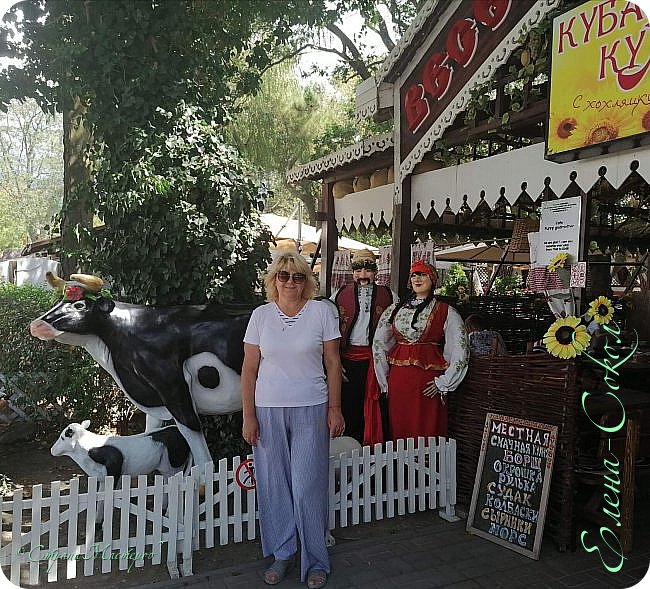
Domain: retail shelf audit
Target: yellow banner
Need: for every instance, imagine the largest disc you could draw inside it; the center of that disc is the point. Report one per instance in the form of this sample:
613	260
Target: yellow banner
600	86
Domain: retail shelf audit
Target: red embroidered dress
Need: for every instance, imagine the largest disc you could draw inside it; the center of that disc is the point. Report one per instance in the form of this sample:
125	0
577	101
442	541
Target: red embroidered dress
408	358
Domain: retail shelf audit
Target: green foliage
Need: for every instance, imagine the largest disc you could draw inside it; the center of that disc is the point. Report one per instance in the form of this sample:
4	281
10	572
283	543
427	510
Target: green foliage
181	214
455	277
371	238
507	284
125	58
134	66
360	52
64	382
275	129
343	129
31	172
223	435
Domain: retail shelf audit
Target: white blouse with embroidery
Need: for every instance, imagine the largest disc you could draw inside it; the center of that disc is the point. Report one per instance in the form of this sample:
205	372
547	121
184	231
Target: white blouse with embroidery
455	352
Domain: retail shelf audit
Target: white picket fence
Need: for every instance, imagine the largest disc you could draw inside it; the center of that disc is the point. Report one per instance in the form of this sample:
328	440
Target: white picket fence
56	534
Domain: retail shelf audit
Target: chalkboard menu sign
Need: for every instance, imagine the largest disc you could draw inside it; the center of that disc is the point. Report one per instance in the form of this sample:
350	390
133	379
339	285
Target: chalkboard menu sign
512	482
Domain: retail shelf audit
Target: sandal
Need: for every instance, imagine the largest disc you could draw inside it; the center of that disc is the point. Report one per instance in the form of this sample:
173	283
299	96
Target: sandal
278	571
317	578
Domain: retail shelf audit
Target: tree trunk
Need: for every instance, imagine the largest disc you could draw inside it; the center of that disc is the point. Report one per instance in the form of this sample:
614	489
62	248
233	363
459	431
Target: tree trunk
75	212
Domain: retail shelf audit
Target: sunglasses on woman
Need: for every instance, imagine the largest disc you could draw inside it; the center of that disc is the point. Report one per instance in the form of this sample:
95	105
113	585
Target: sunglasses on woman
297	277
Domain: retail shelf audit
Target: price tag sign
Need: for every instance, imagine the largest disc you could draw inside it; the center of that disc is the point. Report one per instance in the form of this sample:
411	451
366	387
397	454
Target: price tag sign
579	275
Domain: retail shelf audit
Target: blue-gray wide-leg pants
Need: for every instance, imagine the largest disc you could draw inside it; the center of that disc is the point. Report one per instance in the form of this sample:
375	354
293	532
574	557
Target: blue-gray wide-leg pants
291	472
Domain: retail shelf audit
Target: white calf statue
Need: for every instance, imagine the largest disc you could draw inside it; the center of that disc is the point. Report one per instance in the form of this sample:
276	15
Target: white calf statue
341	446
163	450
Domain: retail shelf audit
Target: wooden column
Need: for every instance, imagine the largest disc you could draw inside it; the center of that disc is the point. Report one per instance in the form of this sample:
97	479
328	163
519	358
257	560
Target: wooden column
402	238
328	237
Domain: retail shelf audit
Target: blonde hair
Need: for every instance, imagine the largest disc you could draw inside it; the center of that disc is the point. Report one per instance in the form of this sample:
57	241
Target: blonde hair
291	262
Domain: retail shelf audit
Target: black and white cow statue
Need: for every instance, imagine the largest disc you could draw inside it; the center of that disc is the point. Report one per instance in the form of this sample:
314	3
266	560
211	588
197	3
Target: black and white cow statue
171	362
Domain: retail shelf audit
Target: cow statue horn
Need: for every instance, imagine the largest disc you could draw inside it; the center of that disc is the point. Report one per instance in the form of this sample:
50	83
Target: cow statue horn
90	282
55	282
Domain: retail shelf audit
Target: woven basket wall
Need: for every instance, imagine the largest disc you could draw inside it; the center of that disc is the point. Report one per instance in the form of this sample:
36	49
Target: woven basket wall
538	387
519	319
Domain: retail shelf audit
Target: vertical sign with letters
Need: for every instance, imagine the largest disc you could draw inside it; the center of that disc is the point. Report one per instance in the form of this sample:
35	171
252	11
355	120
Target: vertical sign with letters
512	481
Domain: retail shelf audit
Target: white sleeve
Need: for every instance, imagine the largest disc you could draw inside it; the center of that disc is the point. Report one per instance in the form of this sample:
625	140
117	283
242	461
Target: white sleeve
456	353
252	335
383	341
330	321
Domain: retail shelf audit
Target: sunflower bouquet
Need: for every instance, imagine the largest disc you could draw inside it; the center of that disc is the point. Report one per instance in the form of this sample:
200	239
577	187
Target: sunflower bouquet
600	310
568	336
558	261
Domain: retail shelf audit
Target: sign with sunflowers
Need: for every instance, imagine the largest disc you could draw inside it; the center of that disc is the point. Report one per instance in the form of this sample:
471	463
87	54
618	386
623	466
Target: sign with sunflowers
599	89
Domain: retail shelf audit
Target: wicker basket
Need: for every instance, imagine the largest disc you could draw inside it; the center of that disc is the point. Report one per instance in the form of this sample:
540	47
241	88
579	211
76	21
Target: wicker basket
519	319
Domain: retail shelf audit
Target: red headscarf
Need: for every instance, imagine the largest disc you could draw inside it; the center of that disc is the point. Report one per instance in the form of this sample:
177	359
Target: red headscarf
425	267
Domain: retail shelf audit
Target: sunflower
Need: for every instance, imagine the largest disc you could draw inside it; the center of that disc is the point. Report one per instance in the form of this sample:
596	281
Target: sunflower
566	338
564	131
558	261
601	310
596	127
566	127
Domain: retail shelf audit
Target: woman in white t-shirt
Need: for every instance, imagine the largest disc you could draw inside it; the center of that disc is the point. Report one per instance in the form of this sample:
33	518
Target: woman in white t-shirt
290	412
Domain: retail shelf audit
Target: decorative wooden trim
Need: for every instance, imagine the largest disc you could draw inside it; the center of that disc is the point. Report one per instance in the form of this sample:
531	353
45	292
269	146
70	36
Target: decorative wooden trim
405	42
498	57
314	170
366	111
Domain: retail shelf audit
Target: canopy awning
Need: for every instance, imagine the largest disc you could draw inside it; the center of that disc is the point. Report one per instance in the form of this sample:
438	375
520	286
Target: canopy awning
286	230
484	254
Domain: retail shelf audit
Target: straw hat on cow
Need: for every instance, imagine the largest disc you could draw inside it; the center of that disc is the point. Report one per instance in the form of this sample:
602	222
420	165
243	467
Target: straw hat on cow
87	282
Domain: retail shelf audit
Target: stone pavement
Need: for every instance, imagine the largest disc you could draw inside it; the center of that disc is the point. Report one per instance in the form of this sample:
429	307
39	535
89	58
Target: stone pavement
443	555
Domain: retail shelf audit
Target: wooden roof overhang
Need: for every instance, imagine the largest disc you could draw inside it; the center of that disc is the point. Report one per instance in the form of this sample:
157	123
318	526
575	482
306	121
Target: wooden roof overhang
501	177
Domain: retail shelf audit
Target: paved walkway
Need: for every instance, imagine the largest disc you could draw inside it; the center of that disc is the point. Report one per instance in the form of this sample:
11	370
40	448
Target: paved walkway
442	555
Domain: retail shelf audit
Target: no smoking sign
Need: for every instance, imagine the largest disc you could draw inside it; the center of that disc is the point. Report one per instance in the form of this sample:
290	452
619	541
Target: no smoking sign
245	475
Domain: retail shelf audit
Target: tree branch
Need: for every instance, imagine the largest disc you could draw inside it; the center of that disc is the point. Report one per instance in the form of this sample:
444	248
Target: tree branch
382	31
286	57
352	55
395	14
342	55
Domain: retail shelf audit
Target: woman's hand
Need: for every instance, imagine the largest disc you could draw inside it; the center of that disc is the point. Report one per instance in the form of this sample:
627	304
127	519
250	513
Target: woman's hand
431	390
251	431
335	422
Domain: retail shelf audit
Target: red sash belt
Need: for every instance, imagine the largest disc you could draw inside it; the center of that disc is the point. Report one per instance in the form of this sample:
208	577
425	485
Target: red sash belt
357	353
